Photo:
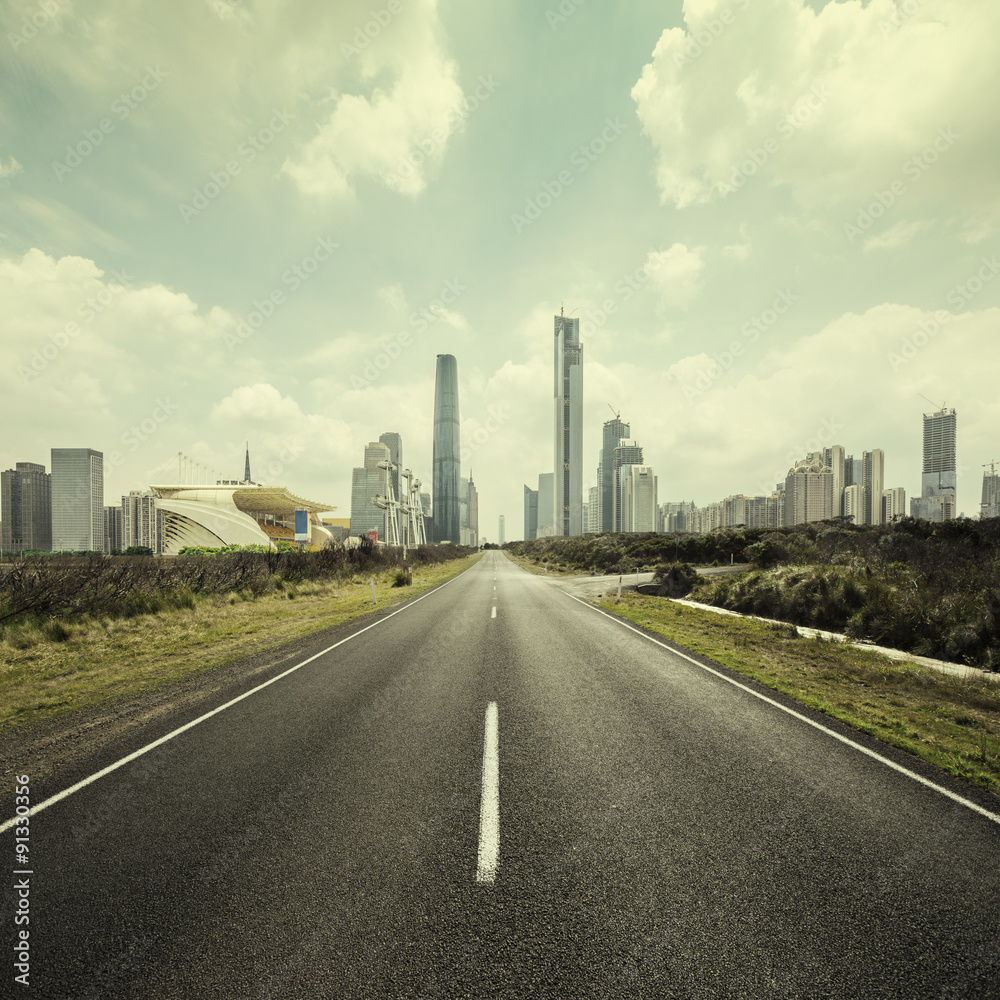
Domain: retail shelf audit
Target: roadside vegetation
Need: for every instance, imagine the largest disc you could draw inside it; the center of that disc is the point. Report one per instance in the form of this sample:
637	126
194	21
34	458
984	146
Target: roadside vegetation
951	721
77	632
928	589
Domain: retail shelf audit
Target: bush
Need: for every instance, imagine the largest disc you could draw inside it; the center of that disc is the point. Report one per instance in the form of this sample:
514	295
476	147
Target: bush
675	579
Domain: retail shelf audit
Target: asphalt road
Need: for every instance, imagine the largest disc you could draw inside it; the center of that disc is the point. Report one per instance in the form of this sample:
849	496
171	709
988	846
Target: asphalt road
662	832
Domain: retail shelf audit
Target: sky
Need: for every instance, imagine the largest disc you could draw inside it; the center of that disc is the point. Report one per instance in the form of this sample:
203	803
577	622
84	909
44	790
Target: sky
224	220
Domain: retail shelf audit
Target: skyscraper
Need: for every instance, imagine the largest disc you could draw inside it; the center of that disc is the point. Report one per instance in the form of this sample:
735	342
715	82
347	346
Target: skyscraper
77	500
463	509
568	437
637	484
625	453
593	523
141	522
893	504
614	431
834	457
26	508
503	532
367	482
809	491
530	512
545	508
473	512
873	482
447	452
990	505
939	478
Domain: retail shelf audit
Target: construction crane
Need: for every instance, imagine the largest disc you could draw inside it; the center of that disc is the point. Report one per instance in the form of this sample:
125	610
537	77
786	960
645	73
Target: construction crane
931	401
618	415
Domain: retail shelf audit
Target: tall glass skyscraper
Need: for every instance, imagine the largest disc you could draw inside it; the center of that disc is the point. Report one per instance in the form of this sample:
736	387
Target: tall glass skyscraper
447	452
568	438
77	500
614	431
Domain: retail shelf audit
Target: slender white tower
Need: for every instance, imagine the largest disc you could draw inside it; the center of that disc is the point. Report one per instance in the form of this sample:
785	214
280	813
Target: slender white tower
567	484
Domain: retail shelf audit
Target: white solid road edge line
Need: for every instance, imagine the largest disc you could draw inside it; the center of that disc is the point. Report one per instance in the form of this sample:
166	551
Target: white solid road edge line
489	809
66	792
803	718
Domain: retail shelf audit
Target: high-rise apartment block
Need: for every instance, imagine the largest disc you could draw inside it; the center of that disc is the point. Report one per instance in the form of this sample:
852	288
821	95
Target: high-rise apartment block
808	491
854	503
835	458
637	502
592	524
77	500
625	452
893	504
503	530
447	452
939	478
872	484
26	508
113	529
676	516
568	428
142	523
367	482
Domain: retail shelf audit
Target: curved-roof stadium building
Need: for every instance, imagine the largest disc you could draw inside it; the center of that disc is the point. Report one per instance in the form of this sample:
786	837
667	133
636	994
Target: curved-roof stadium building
228	514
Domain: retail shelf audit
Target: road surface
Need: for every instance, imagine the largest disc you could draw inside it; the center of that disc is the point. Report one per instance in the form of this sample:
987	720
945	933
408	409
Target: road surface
498	791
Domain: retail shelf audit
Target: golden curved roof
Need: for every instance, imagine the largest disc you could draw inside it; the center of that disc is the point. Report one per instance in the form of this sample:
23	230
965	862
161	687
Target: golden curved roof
276	500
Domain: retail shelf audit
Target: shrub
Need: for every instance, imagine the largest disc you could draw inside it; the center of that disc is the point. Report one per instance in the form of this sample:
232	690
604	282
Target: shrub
675	579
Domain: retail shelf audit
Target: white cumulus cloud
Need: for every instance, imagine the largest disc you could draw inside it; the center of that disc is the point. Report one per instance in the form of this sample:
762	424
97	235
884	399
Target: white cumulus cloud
835	103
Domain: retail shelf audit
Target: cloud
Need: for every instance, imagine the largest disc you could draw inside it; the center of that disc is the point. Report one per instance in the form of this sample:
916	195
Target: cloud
898	236
676	274
833	103
393	134
10	169
739	251
357	111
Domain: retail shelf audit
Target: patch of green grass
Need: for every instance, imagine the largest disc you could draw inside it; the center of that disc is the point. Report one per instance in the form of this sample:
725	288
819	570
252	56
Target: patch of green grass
45	672
951	721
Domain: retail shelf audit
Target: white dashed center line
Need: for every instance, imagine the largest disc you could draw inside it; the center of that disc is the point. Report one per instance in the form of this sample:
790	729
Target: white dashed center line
489	811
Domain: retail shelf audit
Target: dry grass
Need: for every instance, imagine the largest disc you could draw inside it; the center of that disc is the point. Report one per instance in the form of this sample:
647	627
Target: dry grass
953	722
61	668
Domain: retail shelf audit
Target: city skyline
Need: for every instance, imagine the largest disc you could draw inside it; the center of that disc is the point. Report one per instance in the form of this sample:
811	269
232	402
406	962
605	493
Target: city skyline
753	269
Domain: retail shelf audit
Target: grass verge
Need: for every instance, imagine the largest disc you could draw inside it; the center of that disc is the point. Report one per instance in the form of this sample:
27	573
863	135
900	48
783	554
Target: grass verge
66	667
953	722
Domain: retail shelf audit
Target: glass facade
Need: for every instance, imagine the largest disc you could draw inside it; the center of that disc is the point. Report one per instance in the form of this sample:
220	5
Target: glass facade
77	500
447	452
26	508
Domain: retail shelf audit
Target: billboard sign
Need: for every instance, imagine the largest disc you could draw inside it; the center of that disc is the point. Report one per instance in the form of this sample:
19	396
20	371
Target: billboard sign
302	526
